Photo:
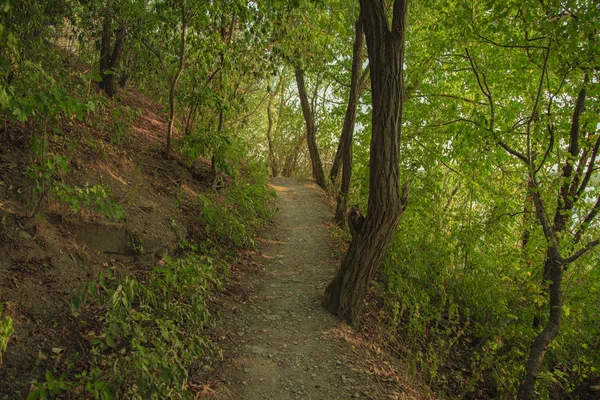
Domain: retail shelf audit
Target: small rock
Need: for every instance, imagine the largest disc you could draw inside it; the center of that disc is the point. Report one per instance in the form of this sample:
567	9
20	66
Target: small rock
257	350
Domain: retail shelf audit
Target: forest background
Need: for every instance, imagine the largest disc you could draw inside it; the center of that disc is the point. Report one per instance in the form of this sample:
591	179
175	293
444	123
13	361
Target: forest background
490	285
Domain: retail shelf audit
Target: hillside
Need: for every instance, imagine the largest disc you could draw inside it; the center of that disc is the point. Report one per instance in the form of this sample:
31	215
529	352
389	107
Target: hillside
46	258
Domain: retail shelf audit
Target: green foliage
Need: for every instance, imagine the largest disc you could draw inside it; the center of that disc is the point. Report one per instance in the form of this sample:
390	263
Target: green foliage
46	178
96	197
6	331
151	331
122	119
233	217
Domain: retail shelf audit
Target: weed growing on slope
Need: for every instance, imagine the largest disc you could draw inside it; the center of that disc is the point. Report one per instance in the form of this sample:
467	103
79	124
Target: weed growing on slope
151	331
233	217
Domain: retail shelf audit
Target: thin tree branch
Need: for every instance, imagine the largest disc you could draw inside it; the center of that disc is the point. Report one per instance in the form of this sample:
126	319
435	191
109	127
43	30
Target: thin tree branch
587	221
514	152
509	46
455	121
534	111
582	251
590	169
483	86
451	96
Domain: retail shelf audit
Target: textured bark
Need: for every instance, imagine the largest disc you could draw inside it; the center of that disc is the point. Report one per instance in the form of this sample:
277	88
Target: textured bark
345	294
548	334
110	60
348	128
311	130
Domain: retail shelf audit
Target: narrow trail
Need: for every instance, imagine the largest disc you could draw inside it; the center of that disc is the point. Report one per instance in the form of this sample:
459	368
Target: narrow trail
279	342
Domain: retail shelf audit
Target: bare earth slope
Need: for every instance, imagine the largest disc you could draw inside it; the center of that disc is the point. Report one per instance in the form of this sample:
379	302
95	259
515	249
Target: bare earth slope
280	343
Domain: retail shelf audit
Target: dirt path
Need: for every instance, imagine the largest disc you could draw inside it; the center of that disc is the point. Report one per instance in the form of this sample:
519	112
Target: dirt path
280	343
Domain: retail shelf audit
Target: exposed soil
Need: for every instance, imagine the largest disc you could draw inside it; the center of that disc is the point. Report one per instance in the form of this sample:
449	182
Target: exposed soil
278	341
44	259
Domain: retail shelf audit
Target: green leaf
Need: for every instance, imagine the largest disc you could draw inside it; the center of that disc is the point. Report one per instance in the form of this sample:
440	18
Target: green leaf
34	395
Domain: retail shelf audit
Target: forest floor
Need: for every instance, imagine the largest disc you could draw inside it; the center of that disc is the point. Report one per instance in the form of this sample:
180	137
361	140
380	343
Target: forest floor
277	340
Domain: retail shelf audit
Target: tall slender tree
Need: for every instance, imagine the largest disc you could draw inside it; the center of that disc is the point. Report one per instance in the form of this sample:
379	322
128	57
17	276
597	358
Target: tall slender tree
311	129
345	147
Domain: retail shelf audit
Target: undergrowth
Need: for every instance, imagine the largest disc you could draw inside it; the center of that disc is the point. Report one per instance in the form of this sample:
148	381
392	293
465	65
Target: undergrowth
146	334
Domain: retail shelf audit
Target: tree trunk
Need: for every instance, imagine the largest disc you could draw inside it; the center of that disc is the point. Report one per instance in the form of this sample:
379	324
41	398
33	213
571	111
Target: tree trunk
273	162
337	160
311	130
548	334
175	79
345	294
105	43
555	231
214	160
348	128
109	79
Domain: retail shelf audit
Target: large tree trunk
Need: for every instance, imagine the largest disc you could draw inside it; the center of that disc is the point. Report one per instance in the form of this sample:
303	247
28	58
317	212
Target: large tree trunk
345	294
348	128
311	130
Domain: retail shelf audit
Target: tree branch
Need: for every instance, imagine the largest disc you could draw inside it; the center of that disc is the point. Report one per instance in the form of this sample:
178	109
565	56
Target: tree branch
398	21
582	251
564	203
514	152
540	212
509	46
535	106
455	121
587	221
590	169
483	86
451	96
